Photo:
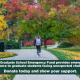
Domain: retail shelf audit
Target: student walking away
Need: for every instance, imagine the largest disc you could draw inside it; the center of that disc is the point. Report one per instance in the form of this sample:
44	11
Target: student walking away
38	44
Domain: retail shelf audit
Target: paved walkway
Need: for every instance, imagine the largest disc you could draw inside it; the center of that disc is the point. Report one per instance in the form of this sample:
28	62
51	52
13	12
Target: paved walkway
46	77
30	54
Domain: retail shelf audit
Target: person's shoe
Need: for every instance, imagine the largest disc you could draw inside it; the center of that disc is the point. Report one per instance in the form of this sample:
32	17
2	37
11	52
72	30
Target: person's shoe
38	54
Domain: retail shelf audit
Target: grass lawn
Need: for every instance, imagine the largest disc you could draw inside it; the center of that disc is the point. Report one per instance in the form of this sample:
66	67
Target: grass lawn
72	49
59	54
6	54
6	77
66	53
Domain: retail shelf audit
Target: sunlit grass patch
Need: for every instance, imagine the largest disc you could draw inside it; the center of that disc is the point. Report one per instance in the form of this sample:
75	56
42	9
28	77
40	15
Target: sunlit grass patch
75	48
6	77
6	54
74	55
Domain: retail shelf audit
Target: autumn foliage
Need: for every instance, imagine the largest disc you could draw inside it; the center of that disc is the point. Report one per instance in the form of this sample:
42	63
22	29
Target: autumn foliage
59	19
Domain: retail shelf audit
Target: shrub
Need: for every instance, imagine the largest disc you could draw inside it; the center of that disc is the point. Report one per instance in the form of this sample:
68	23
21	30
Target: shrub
12	45
49	42
65	45
28	43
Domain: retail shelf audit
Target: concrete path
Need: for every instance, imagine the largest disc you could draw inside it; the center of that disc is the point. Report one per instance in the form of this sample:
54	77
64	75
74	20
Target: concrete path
53	46
30	54
46	77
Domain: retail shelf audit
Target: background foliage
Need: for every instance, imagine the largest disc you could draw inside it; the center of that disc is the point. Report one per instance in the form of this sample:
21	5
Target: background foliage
53	19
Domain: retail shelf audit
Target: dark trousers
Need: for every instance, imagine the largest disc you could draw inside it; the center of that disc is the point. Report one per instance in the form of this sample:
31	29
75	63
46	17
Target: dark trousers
38	47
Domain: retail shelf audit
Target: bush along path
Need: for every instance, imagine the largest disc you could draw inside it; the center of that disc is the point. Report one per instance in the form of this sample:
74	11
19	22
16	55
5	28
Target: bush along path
30	54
